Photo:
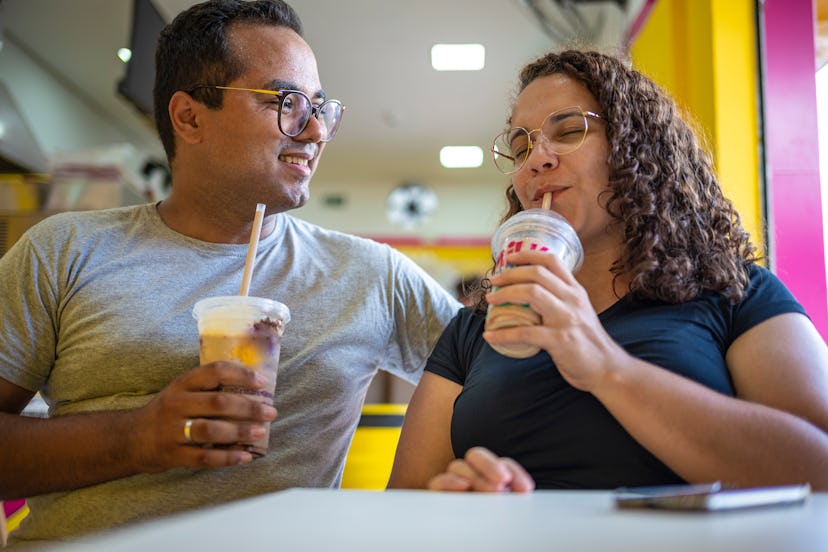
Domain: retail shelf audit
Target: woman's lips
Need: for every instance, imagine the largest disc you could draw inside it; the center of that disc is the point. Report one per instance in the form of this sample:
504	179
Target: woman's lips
538	199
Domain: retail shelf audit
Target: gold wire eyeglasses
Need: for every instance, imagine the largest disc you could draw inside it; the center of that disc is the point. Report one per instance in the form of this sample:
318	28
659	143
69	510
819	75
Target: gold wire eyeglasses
561	132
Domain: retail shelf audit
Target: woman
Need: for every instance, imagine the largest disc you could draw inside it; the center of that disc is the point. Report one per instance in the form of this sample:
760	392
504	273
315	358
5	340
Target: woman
669	357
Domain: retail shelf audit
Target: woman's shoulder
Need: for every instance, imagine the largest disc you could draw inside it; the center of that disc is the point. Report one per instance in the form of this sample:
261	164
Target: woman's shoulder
764	284
766	296
465	329
471	319
459	344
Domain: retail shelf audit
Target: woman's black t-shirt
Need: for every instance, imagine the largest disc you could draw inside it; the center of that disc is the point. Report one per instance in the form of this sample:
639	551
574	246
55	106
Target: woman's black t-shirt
565	438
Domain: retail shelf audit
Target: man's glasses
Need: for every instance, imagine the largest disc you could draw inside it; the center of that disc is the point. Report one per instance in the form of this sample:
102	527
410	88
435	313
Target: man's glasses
561	132
295	110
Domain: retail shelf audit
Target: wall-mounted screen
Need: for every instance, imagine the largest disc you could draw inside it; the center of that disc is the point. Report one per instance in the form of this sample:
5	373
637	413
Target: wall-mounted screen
136	86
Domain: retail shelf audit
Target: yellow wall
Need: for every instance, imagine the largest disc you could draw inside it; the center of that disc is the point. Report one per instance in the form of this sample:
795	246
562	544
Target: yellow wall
466	260
704	53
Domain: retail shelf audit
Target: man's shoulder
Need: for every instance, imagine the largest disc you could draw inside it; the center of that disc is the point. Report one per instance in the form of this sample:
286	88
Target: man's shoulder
95	218
309	230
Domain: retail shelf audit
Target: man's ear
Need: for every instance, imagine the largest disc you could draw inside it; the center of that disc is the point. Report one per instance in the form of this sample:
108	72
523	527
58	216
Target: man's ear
185	113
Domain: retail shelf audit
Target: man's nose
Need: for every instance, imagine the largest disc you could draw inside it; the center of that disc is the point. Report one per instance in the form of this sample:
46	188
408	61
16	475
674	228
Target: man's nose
314	132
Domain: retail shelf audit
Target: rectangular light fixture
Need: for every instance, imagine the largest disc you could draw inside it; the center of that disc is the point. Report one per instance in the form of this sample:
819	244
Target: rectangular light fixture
458	57
461	157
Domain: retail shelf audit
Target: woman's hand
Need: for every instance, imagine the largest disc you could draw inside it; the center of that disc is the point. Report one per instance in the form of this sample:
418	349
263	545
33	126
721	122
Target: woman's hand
570	330
481	471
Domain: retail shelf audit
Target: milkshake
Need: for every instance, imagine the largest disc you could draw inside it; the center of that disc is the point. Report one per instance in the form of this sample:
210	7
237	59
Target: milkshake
248	330
530	230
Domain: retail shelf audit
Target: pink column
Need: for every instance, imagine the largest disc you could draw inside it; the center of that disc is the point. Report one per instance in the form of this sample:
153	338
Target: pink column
792	151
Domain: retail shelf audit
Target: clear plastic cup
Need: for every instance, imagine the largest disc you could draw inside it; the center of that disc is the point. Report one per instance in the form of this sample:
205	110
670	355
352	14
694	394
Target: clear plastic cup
530	230
248	330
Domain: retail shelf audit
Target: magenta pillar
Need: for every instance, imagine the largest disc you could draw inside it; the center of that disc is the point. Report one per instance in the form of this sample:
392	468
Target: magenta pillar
792	154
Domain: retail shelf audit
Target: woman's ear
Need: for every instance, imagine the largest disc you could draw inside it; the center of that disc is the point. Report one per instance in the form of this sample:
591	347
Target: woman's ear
184	114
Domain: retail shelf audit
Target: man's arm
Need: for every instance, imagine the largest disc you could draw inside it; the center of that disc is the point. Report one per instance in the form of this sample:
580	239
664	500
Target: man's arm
68	452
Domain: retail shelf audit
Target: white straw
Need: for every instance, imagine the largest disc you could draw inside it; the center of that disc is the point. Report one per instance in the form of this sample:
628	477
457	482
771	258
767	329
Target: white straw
251	249
547	200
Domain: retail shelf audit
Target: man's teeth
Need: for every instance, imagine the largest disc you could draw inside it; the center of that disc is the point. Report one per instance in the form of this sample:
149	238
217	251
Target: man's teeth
292	159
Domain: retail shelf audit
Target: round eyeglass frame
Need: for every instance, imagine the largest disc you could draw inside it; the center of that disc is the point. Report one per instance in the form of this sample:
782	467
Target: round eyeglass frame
575	110
315	110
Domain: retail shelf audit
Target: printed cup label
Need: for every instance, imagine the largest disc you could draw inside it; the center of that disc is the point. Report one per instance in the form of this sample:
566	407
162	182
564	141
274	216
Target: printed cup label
515	246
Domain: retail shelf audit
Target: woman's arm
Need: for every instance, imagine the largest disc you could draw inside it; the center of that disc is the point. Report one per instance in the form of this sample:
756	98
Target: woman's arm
774	432
424	449
425	458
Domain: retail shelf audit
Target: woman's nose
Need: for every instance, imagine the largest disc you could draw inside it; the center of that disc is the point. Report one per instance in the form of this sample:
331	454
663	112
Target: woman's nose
541	157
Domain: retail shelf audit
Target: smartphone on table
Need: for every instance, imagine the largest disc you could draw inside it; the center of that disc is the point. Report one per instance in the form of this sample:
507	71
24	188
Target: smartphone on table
709	496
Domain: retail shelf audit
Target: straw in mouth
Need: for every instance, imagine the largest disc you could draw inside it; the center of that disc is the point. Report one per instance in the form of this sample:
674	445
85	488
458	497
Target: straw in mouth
251	249
547	200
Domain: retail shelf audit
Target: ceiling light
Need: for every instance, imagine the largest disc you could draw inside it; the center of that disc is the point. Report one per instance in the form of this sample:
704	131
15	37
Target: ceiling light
124	54
458	57
461	157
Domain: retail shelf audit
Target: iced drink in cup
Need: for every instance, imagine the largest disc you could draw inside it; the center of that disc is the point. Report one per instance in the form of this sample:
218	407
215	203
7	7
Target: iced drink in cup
530	230
248	330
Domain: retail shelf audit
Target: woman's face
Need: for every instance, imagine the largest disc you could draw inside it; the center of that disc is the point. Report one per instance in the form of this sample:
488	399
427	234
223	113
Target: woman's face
575	180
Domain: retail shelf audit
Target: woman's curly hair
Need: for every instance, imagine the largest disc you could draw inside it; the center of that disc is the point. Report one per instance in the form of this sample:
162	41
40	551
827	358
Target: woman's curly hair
682	235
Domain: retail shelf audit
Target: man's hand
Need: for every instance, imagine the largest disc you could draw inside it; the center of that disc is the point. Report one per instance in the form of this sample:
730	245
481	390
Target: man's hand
190	420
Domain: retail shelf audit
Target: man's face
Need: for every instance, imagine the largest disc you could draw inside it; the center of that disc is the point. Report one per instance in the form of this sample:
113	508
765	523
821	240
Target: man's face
249	158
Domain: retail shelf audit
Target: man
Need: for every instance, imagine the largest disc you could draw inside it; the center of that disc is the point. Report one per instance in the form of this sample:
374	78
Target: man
97	306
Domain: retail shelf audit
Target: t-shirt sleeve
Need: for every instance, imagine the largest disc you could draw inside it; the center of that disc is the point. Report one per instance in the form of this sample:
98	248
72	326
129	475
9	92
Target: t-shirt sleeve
457	346
27	327
422	309
766	297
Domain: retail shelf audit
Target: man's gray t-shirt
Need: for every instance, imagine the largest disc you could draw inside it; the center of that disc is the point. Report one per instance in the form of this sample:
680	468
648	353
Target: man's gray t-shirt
97	315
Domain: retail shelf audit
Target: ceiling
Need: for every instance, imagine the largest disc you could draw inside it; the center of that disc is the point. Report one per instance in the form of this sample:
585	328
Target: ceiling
372	54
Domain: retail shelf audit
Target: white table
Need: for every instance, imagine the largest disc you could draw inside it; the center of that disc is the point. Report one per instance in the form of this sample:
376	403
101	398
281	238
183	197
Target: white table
325	520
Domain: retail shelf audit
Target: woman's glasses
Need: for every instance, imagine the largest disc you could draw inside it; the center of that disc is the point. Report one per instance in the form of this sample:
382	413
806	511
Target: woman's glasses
561	132
296	109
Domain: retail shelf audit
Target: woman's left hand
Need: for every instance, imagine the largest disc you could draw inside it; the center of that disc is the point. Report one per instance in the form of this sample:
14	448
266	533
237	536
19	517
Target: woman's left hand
483	471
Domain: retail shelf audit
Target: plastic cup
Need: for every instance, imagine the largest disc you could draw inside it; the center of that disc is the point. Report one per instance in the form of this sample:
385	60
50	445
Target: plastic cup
530	230
248	330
